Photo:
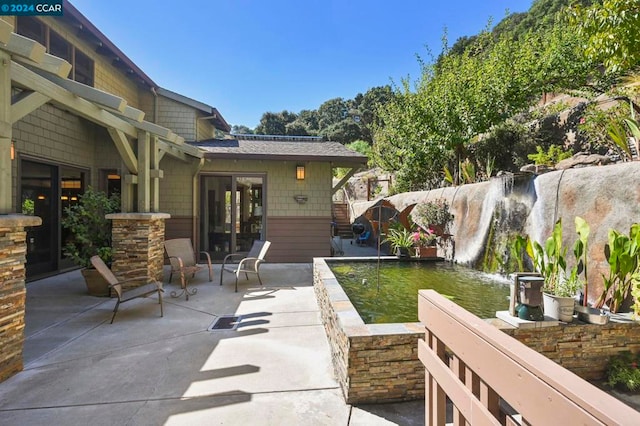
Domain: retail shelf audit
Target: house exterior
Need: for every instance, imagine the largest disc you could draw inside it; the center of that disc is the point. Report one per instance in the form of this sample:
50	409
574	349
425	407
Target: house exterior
75	112
60	147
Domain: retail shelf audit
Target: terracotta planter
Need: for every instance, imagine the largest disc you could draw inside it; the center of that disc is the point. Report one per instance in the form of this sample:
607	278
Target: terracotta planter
96	284
426	252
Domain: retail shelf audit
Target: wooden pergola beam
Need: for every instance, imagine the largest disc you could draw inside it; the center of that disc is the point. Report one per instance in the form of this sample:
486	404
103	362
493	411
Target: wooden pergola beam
133	114
87	92
49	63
25	47
26	103
5	31
161	132
29	80
124	149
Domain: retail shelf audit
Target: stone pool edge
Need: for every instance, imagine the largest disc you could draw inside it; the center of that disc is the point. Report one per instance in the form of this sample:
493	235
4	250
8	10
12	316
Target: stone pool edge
374	363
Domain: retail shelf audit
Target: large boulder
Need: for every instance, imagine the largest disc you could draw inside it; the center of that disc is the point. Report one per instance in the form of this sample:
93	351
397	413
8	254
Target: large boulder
606	197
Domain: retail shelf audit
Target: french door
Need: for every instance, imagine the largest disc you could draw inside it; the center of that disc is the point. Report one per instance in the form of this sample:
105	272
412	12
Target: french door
45	191
232	213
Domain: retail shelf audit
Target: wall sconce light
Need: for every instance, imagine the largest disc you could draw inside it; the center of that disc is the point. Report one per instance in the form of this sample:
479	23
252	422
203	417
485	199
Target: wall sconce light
13	151
300	199
300	172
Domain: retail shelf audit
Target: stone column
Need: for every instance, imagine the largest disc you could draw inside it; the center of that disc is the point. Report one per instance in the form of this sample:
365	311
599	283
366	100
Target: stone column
138	243
13	250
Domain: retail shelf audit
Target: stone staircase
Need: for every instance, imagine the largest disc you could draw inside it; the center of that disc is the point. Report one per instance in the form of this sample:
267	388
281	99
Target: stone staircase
340	213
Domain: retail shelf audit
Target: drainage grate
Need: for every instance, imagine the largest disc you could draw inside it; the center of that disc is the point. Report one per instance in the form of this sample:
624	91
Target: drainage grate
225	322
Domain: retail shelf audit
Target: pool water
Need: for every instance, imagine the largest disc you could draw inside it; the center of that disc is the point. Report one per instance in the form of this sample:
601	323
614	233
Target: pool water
396	299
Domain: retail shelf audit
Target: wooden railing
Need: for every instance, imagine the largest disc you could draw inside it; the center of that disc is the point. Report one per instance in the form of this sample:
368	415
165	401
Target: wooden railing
492	379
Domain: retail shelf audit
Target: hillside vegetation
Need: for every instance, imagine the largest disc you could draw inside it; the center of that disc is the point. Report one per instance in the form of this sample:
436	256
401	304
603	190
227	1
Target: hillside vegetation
476	107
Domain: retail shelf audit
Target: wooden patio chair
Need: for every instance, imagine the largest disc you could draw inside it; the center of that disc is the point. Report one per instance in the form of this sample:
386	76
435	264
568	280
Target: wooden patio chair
247	263
183	259
126	295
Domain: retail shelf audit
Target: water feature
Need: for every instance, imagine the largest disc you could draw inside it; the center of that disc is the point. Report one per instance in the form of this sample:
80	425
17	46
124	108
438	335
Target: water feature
506	205
396	301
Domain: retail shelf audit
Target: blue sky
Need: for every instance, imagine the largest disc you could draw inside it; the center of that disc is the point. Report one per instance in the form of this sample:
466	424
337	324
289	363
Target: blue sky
248	57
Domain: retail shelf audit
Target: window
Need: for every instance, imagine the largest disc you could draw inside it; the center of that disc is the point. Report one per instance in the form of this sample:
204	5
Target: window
82	65
32	28
83	69
59	47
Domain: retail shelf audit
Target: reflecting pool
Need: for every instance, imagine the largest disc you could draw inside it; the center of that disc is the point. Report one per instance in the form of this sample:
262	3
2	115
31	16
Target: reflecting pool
396	297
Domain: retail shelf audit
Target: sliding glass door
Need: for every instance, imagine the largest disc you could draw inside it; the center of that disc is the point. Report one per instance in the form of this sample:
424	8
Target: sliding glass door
232	212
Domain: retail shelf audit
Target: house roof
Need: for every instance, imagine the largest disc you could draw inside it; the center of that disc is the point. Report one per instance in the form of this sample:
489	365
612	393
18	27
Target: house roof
104	46
285	149
212	114
107	48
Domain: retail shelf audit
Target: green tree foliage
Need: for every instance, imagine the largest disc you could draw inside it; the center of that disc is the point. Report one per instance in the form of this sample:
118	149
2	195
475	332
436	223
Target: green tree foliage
273	123
241	130
331	112
612	33
464	95
507	143
337	119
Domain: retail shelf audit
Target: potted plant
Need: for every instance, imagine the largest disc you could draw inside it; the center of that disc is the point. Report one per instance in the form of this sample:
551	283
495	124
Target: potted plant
424	243
401	241
560	287
434	215
90	234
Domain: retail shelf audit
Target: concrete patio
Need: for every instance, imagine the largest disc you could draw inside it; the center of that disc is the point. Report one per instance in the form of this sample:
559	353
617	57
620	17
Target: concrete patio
275	368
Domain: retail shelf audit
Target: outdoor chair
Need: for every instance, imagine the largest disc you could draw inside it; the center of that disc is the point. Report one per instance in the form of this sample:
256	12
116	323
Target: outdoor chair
363	238
183	259
126	295
246	263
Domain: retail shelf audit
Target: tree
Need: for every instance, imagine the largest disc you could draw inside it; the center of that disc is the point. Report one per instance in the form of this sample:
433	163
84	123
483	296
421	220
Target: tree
463	95
240	129
273	123
331	112
344	131
612	32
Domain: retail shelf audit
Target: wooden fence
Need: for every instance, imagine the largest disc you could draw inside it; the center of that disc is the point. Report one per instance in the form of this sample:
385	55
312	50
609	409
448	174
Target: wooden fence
489	378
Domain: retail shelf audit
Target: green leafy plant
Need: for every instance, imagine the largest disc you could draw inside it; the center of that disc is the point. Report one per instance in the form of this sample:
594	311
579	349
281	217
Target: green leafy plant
468	170
399	238
518	250
623	370
448	177
623	255
90	230
551	157
551	260
433	214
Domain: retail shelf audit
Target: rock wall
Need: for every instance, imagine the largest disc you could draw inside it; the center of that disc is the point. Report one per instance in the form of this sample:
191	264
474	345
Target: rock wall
605	196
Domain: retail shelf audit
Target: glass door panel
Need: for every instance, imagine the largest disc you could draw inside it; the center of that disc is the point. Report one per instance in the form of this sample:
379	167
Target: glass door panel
232	209
249	211
216	215
38	197
72	184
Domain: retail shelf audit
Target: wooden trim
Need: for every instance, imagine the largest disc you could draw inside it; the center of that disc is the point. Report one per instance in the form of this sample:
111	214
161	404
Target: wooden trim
26	104
298	238
505	367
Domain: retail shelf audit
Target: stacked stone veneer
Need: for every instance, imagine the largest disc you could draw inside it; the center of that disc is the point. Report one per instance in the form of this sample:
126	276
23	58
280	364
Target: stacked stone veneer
372	362
12	290
584	349
138	244
379	362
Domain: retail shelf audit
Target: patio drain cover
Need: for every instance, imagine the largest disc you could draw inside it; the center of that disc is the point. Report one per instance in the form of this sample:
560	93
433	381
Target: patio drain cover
225	322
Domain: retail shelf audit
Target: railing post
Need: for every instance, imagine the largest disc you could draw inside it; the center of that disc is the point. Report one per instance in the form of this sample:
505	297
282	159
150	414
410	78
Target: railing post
437	396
